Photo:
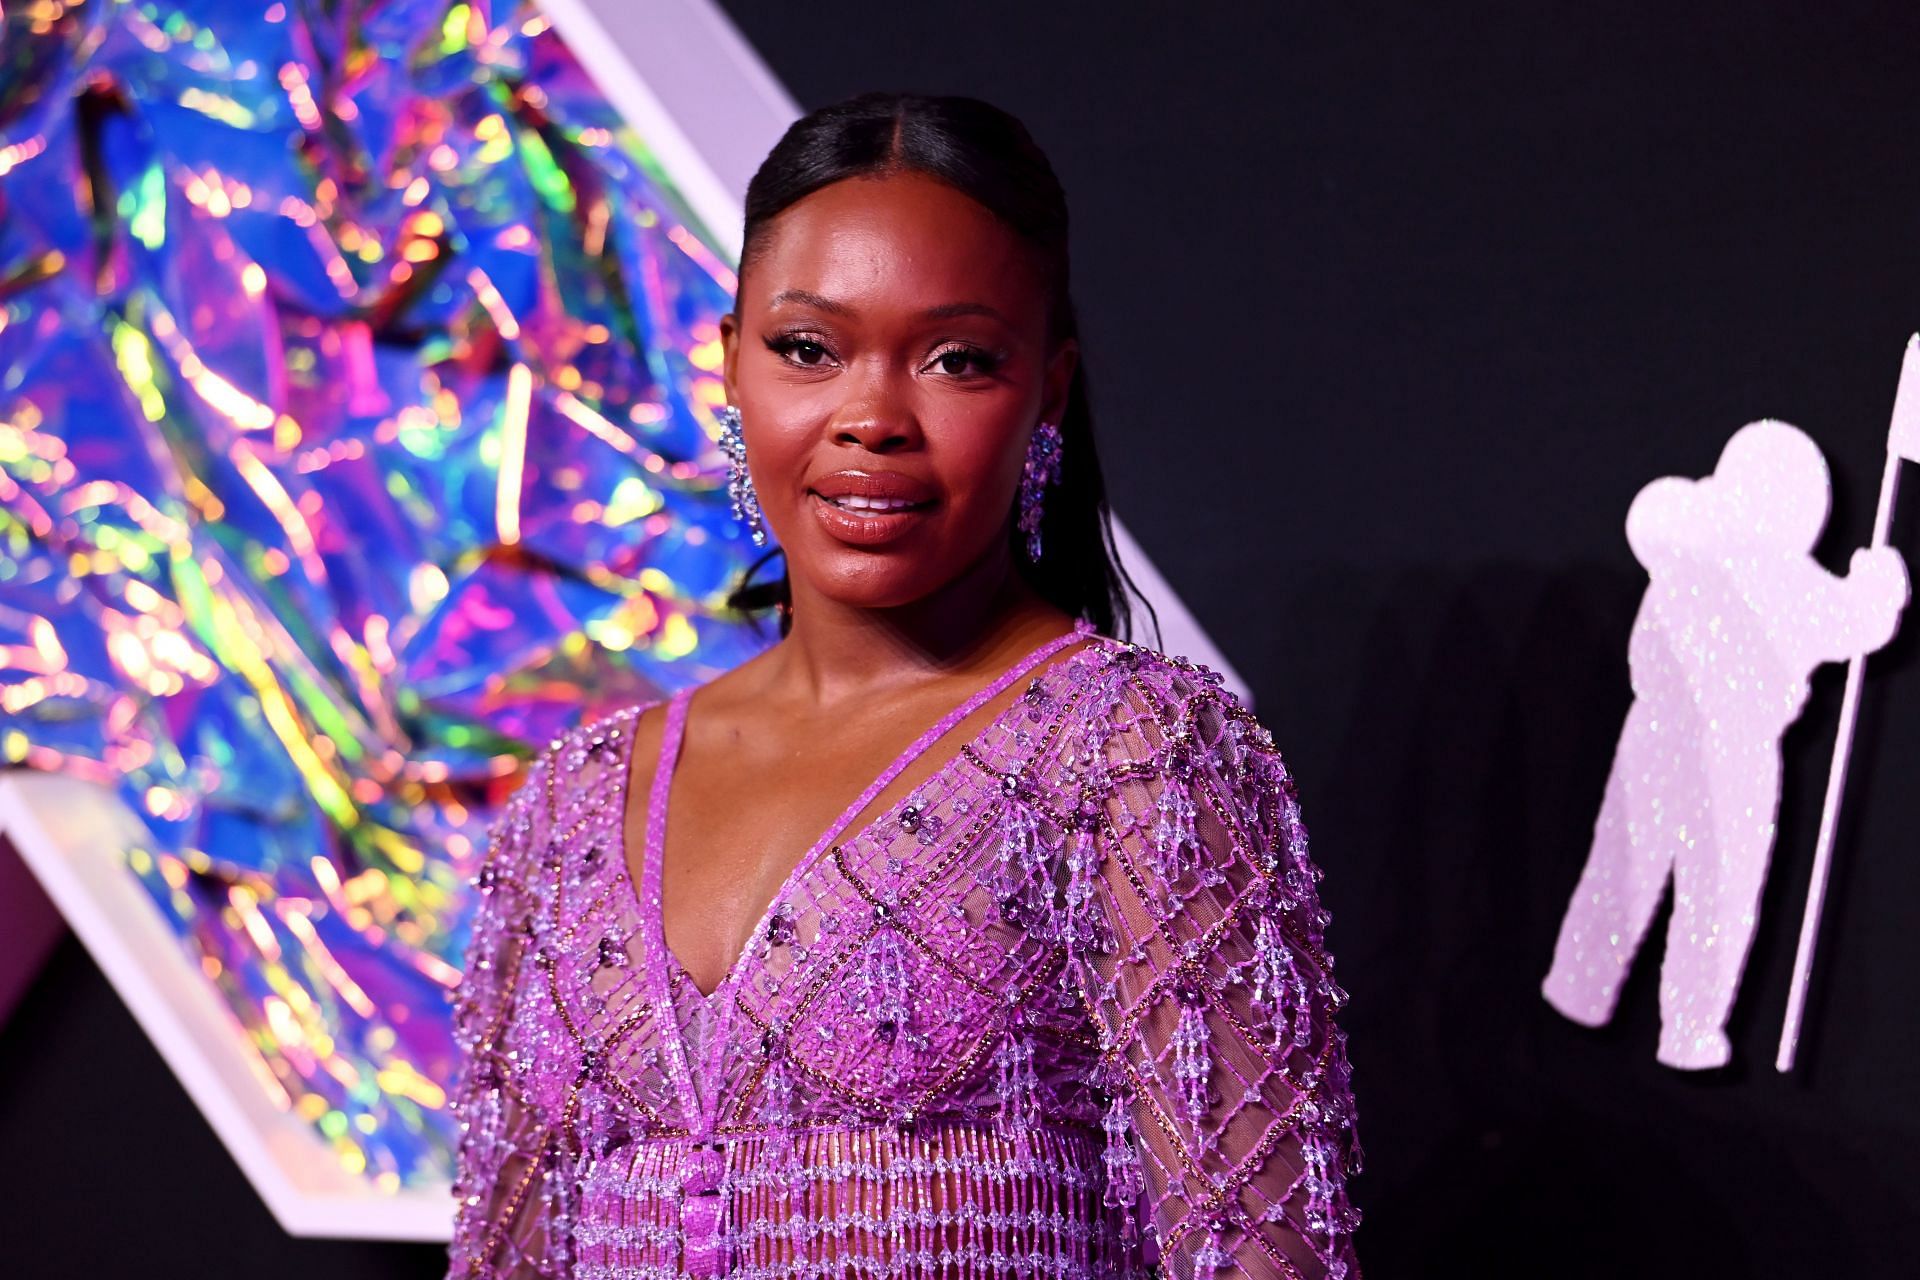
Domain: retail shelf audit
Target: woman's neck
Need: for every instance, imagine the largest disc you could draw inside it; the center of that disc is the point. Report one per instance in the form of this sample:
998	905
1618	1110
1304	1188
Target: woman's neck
981	622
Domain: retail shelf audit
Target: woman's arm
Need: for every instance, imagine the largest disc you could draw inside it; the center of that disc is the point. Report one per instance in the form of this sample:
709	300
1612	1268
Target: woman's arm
506	1144
1229	1115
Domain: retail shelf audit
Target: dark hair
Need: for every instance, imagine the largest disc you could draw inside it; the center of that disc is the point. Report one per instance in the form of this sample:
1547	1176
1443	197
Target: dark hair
986	154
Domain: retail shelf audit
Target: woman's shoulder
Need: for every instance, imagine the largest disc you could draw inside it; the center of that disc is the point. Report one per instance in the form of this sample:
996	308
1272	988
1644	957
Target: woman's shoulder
576	758
571	775
1173	676
1148	700
598	730
718	691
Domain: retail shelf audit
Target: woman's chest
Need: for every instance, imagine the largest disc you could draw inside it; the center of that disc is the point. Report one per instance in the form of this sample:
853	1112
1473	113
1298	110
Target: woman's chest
733	847
880	979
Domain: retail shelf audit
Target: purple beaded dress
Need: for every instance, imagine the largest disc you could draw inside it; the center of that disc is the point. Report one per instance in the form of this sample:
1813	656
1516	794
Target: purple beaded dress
1064	1009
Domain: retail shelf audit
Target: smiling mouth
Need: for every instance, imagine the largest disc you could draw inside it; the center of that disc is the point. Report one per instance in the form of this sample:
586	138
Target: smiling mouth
861	505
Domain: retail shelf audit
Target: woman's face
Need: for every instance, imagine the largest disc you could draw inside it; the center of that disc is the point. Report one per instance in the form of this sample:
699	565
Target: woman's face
888	354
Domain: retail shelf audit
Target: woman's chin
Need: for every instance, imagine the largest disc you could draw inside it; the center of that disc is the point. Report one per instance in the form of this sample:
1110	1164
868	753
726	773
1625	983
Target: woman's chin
895	592
855	579
890	575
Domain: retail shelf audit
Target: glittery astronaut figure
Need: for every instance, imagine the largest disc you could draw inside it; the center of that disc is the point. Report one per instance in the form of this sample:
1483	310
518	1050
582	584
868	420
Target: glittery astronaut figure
1737	616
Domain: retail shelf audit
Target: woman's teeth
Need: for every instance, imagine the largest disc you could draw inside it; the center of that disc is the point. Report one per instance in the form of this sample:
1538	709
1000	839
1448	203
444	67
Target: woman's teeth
859	502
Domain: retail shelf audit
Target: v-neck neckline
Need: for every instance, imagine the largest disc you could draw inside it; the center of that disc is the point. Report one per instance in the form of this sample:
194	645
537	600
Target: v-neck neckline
647	895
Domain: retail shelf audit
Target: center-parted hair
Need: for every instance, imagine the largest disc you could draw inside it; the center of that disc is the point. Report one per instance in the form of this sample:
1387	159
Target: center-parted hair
987	155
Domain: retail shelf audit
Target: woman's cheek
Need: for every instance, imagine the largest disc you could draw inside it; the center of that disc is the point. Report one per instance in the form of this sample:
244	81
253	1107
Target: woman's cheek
995	467
783	460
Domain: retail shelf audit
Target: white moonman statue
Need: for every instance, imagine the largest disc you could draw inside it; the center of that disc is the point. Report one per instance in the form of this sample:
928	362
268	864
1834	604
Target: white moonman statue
1737	616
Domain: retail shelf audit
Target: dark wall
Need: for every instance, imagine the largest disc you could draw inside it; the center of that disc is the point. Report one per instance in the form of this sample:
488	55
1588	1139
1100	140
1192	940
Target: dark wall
1389	314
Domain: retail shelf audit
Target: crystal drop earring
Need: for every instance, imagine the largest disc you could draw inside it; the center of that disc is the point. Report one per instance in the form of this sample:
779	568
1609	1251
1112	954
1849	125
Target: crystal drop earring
746	504
1042	469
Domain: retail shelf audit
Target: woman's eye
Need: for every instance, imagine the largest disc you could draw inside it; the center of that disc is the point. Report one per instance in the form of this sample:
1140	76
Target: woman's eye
956	360
800	351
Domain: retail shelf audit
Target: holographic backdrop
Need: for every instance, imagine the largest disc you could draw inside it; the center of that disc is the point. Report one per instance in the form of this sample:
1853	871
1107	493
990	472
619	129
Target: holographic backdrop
357	368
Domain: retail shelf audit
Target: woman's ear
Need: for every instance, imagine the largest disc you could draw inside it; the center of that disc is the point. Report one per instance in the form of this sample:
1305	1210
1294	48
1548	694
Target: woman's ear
1058	381
729	351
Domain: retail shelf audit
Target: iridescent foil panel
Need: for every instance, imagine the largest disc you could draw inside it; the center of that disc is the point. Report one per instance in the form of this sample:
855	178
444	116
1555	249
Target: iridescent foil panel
358	370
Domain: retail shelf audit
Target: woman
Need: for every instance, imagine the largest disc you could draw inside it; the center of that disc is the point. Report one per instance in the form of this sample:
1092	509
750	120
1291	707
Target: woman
1049	994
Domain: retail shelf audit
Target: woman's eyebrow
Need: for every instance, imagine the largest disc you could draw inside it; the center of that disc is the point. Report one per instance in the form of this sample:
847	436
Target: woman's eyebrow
948	310
805	298
945	311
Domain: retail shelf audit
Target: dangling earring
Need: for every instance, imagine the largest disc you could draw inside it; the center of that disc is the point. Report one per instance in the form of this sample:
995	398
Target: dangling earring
1042	469
746	503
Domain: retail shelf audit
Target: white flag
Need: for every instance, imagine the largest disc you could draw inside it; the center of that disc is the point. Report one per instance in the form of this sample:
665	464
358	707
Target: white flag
1904	438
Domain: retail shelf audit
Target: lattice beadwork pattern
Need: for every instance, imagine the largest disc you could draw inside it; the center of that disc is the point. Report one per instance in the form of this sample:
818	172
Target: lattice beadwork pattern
1061	1007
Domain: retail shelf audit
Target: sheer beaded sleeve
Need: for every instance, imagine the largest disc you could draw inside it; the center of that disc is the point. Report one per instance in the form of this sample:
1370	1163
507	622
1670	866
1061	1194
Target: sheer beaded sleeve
507	1141
1225	1079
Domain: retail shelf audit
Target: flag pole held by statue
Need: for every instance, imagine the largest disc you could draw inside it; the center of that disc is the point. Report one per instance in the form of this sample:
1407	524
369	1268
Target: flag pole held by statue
1903	444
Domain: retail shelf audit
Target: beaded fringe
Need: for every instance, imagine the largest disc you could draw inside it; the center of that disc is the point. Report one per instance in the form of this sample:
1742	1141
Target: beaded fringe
953	1201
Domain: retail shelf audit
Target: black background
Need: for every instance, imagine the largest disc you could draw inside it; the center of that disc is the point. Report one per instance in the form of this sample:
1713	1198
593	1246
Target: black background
1389	313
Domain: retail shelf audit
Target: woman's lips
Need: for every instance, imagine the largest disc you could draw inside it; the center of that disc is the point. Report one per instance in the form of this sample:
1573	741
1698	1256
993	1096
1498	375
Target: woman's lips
865	528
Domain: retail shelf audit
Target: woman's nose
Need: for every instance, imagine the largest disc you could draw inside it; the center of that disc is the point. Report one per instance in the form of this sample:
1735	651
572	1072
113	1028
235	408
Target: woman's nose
876	425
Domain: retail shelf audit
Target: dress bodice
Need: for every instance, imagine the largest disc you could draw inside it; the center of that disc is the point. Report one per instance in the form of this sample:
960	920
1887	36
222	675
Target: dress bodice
1064	1002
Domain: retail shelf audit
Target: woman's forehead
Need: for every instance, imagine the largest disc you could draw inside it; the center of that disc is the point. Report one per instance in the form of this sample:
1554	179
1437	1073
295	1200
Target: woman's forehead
904	241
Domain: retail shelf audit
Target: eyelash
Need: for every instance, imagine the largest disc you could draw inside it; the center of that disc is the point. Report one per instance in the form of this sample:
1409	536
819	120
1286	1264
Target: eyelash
984	362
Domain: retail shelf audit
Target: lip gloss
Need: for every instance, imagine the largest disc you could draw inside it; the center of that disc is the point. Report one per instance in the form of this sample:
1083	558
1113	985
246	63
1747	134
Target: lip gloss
864	528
